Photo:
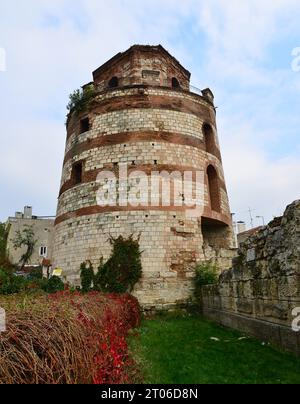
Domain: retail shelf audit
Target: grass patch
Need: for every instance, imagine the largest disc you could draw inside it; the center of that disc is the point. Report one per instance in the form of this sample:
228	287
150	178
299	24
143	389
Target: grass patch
179	349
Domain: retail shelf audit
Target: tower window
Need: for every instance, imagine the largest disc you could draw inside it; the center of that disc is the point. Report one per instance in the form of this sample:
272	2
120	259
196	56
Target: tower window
209	139
175	83
84	125
213	189
77	173
113	82
43	251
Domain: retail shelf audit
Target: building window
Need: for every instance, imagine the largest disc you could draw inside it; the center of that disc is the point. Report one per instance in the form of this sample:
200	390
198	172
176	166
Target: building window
213	189
209	139
84	125
43	251
113	83
77	173
175	83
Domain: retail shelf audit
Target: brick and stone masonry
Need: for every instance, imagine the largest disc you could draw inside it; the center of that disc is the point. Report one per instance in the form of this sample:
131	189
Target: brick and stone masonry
144	114
260	293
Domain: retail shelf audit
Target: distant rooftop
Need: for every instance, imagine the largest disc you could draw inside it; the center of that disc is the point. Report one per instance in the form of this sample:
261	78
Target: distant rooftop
27	214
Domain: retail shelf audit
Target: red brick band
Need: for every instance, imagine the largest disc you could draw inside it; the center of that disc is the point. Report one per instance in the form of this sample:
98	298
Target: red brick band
93	210
91	176
132	137
145	101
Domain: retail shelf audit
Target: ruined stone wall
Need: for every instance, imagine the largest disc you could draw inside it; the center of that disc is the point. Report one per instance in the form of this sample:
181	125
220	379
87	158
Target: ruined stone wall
260	292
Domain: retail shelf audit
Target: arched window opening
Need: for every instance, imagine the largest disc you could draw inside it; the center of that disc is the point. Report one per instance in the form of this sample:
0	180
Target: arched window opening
175	83
113	83
213	189
209	138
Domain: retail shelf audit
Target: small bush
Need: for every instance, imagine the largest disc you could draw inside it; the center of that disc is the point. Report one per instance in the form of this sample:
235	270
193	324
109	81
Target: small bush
4	232
10	284
36	285
79	99
206	274
87	276
53	285
123	269
6	265
98	278
36	274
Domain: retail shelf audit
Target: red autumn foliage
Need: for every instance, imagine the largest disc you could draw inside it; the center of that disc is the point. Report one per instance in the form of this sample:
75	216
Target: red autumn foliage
70	338
113	360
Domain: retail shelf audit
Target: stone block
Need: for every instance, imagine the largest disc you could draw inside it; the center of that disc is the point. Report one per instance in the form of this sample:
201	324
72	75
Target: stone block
290	340
289	287
245	306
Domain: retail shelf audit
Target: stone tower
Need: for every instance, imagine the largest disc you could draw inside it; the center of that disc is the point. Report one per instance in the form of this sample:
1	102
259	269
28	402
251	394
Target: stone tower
143	116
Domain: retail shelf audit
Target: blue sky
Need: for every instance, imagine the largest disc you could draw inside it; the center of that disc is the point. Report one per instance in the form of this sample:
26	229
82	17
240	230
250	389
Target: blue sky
242	50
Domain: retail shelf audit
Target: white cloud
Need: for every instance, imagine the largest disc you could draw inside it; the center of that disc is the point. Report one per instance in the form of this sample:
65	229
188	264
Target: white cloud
243	29
256	181
53	46
258	113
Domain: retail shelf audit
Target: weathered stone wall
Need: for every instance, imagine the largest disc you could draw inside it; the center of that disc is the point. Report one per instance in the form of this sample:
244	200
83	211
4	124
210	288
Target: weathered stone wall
151	127
259	293
150	65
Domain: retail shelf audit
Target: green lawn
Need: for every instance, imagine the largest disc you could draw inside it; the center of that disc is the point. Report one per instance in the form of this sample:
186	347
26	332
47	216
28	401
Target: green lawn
179	349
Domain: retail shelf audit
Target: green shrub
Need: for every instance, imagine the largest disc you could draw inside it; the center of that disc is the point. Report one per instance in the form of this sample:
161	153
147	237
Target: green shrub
98	278
36	274
36	285
5	263
11	284
206	274
53	285
4	281
86	276
123	269
4	231
79	99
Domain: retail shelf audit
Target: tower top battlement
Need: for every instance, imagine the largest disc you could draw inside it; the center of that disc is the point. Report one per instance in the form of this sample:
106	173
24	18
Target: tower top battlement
143	64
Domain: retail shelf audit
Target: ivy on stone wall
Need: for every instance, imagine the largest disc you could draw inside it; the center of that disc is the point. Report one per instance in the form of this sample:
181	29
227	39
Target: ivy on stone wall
86	276
123	269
